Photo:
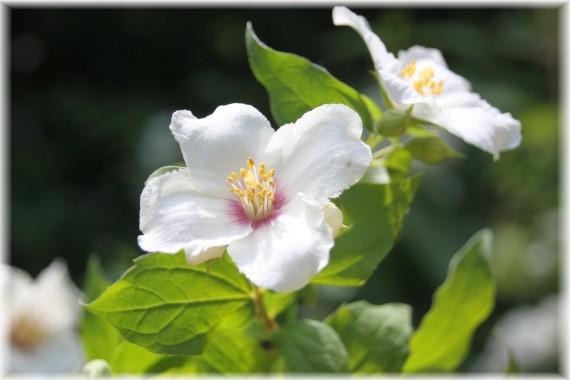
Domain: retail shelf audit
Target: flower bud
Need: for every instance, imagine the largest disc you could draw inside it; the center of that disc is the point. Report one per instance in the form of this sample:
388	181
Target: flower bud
96	368
393	122
431	150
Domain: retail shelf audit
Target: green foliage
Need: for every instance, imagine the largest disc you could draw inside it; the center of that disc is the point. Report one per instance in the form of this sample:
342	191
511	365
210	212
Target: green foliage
431	150
309	346
295	85
374	215
460	304
376	337
168	306
99	337
229	351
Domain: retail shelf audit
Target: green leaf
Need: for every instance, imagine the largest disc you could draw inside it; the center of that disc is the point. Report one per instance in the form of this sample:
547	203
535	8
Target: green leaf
310	346
229	351
168	306
431	150
459	305
163	170
98	337
276	303
398	164
376	337
131	359
374	214
295	85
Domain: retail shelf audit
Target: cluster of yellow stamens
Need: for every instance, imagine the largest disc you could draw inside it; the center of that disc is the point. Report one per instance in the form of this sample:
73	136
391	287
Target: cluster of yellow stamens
255	189
424	84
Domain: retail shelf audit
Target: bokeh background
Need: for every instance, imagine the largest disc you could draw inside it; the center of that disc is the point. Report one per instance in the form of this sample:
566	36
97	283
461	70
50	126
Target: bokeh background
92	92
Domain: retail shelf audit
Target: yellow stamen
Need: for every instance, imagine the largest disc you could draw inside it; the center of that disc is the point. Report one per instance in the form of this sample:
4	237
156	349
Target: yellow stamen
254	188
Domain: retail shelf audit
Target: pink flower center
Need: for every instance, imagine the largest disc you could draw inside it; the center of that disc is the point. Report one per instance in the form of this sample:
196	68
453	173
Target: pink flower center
255	190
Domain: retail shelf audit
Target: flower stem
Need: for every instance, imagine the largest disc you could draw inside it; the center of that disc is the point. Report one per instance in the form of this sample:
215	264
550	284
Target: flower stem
269	324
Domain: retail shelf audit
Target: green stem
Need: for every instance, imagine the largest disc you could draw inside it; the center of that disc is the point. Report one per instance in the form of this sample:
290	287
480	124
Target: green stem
269	324
374	140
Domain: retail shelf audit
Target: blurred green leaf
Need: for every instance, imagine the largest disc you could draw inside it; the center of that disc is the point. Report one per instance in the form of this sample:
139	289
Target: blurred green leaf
168	306
431	150
295	85
99	337
398	164
376	337
460	304
374	214
310	346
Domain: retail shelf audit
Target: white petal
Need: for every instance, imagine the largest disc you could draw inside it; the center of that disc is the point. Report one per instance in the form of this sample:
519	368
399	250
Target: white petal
60	353
321	154
56	297
216	145
333	217
429	57
284	254
175	216
485	127
194	257
380	56
420	53
403	96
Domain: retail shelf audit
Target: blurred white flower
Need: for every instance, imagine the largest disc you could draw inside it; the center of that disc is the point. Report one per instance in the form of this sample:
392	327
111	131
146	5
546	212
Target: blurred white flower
531	332
263	195
42	319
419	77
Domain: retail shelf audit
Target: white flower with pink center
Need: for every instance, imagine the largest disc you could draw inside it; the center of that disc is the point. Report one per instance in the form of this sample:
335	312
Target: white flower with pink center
419	77
262	195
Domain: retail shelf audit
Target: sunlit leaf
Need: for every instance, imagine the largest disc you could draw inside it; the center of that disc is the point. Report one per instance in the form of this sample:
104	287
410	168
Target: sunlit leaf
295	85
374	215
229	351
168	306
376	337
99	337
459	305
309	346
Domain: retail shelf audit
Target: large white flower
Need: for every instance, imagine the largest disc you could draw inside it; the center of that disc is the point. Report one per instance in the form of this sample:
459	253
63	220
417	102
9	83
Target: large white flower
42	320
260	194
419	77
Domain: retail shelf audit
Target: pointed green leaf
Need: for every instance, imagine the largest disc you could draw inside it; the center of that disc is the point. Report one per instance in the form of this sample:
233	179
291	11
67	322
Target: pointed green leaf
295	85
168	306
376	337
459	305
308	346
98	337
374	214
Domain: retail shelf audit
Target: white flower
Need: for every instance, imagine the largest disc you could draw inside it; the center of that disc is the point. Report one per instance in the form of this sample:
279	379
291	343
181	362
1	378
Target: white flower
419	77
263	195
43	315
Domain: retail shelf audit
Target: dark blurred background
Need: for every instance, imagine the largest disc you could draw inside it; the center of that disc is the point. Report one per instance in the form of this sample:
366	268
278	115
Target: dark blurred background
92	92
